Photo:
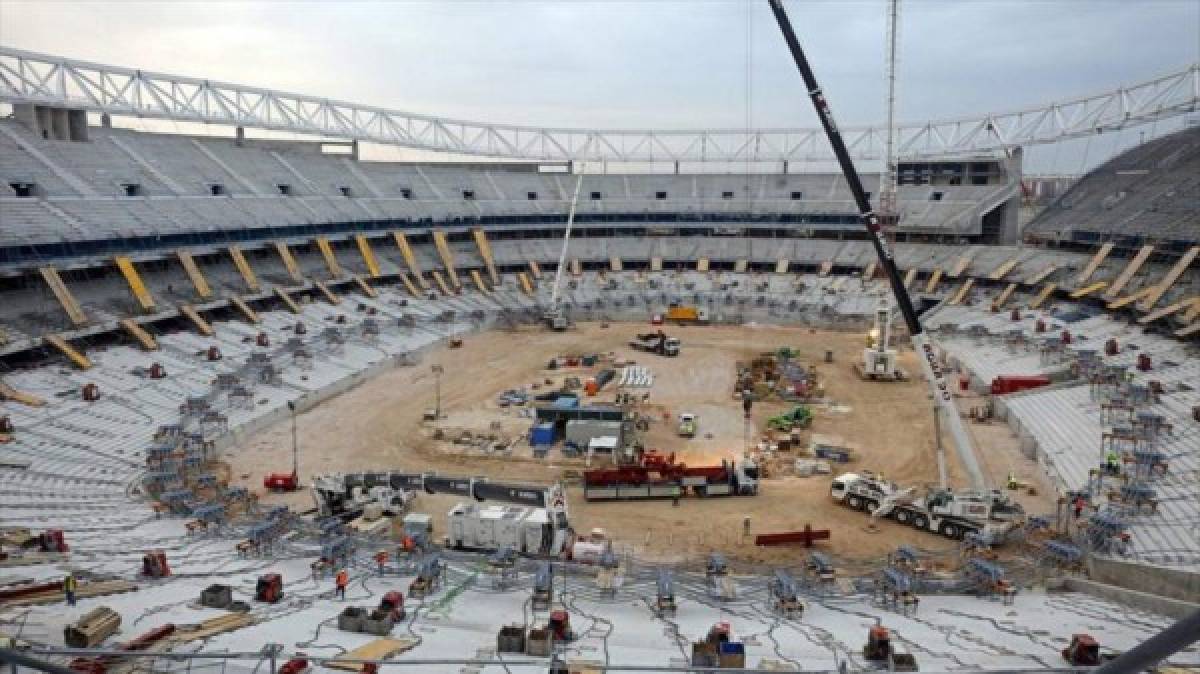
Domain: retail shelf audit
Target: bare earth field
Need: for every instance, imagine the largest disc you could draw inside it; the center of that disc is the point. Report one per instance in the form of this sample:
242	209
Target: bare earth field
377	426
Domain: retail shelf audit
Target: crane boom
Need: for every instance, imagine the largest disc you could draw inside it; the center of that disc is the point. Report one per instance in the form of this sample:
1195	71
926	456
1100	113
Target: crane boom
942	394
562	257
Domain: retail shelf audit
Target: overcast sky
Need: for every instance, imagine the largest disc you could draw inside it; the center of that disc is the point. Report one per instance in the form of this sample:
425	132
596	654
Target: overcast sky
668	64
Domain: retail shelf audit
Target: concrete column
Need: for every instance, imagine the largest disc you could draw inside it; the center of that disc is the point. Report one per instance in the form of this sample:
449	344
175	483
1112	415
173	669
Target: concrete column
106	120
676	167
239	136
45	121
77	125
785	167
26	113
354	150
58	118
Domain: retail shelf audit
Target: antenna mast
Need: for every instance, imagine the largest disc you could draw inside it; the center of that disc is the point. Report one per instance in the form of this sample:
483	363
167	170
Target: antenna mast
889	212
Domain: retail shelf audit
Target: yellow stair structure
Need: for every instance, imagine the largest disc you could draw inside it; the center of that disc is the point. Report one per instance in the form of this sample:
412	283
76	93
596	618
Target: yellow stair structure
535	270
193	272
1043	295
81	361
136	286
441	283
1086	274
447	256
244	268
331	261
869	271
960	266
9	393
702	264
826	268
326	292
1089	290
250	314
139	333
740	265
1130	298
1126	275
289	261
523	279
576	267
962	291
63	295
781	266
485	252
1005	268
478	279
1002	299
1189	330
287	300
409	258
1163	286
412	289
614	263
1041	275
1175	308
365	287
202	325
655	265
910	276
934	280
368	255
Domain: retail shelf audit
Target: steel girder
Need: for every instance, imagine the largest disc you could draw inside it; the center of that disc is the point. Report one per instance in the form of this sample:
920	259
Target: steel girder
30	77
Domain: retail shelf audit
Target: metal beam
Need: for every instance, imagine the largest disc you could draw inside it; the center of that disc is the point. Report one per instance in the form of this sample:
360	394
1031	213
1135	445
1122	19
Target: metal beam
31	77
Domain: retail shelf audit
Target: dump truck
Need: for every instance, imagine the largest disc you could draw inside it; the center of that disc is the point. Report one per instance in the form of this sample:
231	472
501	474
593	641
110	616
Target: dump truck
683	315
655	342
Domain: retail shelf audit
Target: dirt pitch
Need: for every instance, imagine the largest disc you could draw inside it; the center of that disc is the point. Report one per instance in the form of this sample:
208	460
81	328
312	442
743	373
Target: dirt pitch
378	426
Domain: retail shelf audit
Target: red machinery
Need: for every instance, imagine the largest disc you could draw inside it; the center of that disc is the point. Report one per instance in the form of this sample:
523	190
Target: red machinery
157	371
1012	383
664	477
262	339
393	603
806	536
1066	336
269	588
1143	362
91	392
1083	651
281	481
52	540
214	353
154	564
294	666
560	626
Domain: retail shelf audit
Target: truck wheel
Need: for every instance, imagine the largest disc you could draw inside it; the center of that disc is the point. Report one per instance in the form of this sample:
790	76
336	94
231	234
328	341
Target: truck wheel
951	530
872	505
920	521
902	516
854	502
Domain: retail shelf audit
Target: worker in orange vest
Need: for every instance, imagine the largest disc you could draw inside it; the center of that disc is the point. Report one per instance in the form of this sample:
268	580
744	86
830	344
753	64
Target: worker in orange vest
340	581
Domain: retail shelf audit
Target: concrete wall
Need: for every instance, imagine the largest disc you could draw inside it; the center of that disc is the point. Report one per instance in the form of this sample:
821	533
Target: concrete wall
1154	580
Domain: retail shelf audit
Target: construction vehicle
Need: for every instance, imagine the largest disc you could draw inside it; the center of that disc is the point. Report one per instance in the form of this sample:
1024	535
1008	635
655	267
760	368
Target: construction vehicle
287	481
543	586
953	514
687	425
879	649
665	585
393	604
785	596
1083	651
559	626
878	359
657	476
50	540
718	649
932	369
799	416
269	588
154	565
685	315
494	527
429	575
656	342
554	316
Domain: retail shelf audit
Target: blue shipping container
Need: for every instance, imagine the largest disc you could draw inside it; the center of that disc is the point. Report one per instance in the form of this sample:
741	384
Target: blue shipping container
542	434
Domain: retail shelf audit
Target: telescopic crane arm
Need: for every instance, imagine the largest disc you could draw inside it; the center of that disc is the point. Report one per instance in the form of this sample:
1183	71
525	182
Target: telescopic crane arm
937	378
562	257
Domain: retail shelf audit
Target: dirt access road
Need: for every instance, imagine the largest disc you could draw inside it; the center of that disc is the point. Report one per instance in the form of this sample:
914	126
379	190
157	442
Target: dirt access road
377	426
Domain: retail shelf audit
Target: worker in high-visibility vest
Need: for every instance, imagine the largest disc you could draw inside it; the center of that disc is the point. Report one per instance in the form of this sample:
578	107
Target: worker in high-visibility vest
1013	484
69	586
340	581
1113	463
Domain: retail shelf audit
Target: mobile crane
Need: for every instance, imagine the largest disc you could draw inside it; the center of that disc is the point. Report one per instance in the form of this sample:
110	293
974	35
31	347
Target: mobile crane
555	318
980	505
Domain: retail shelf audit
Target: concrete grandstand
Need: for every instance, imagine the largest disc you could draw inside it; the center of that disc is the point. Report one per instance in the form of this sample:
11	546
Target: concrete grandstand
120	249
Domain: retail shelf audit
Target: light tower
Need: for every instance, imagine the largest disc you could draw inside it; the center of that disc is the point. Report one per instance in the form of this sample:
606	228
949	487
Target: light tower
889	212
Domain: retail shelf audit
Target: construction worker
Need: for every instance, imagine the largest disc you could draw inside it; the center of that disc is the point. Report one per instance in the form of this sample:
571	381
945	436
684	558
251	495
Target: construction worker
341	580
1113	463
381	558
1013	484
1079	503
69	585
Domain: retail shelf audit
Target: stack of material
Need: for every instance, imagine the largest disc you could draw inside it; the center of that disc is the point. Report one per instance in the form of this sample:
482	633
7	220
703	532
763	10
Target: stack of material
636	376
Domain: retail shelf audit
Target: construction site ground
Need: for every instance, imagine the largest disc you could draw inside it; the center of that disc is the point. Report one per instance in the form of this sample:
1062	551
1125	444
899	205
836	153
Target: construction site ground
378	426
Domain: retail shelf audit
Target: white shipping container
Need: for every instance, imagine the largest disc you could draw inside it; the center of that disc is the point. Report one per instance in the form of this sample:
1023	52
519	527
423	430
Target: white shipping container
534	529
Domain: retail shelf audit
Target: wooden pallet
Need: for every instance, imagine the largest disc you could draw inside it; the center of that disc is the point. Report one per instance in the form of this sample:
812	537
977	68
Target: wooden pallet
93	589
379	649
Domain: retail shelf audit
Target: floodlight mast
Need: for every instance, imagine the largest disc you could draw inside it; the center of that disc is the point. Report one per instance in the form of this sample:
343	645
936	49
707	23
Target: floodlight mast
554	314
942	393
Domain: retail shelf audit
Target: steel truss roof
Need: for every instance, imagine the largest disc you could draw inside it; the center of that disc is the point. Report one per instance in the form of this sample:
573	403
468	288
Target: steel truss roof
30	77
